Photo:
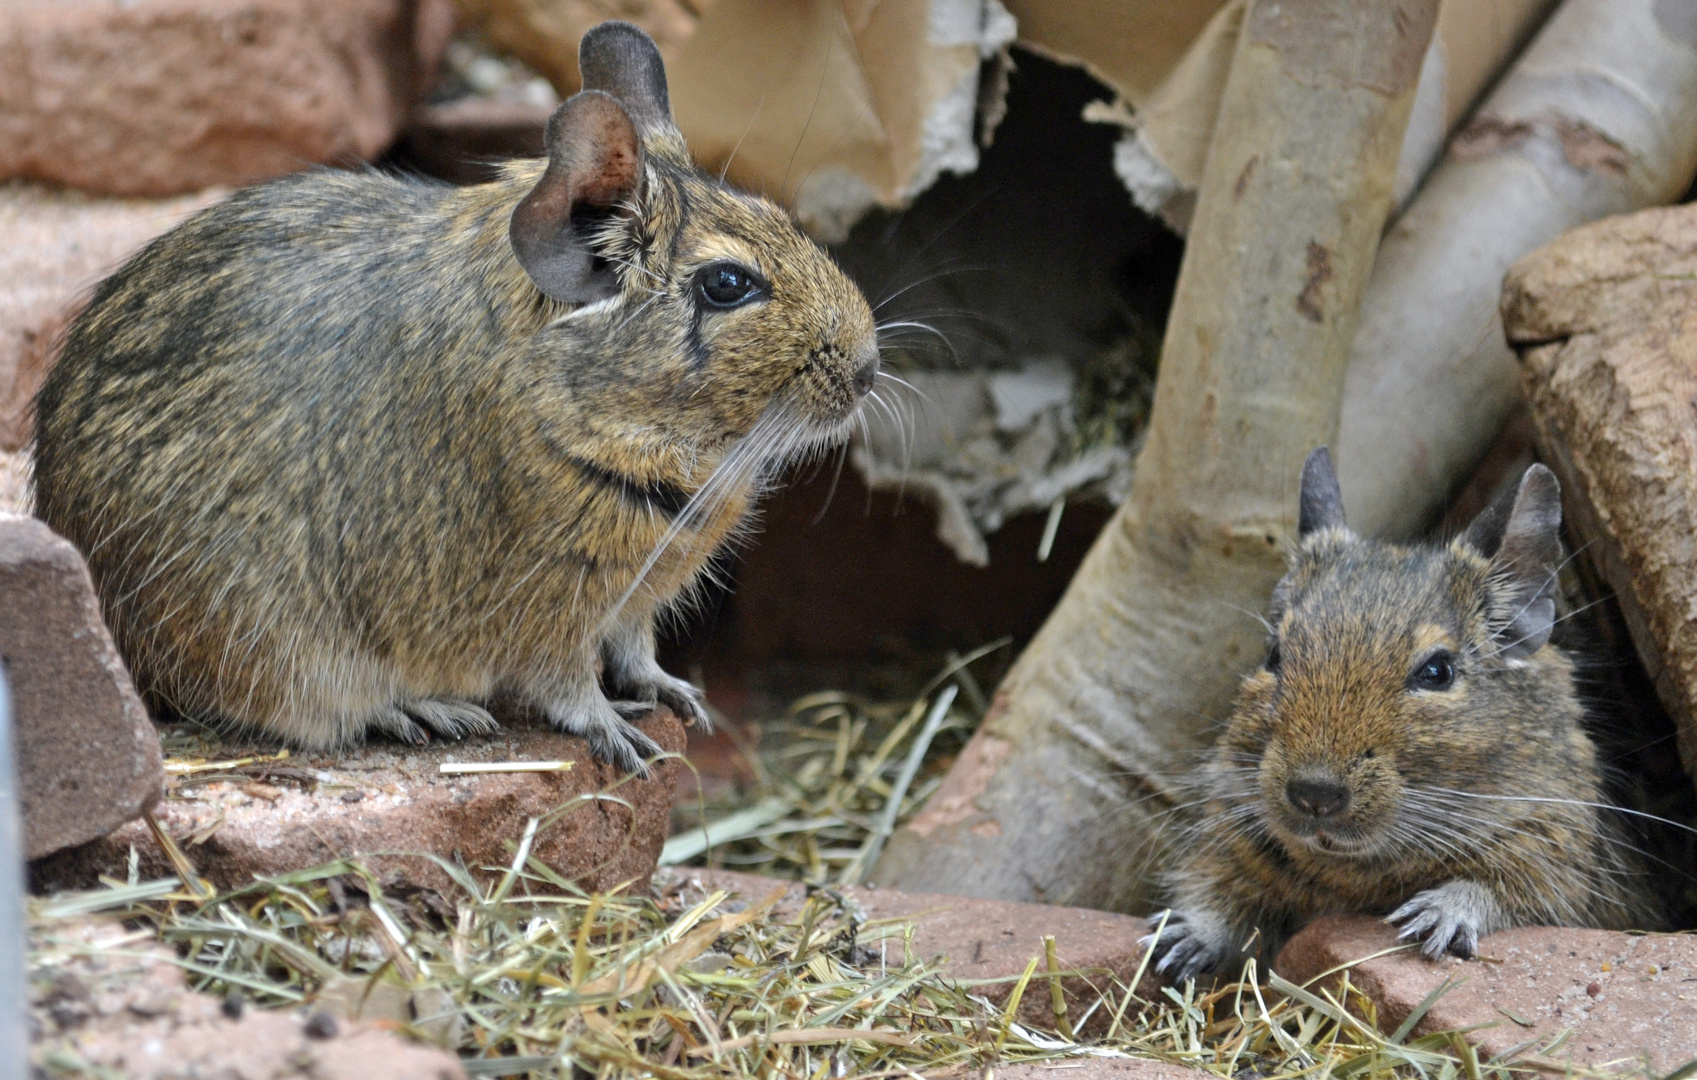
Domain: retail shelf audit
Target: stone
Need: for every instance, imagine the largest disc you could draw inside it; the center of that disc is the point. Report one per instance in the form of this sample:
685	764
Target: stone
55	246
88	758
160	97
1628	998
389	805
128	1012
982	939
1605	323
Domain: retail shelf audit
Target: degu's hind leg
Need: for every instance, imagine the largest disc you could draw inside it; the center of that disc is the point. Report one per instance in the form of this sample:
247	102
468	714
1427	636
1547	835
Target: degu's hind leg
338	699
631	671
414	720
575	704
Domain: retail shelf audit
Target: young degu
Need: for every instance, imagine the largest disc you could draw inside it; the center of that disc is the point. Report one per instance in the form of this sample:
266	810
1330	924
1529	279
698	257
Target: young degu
351	452
1412	748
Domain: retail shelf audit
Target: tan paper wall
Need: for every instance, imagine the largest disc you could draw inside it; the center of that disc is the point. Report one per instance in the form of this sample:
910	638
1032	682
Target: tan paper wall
1168	126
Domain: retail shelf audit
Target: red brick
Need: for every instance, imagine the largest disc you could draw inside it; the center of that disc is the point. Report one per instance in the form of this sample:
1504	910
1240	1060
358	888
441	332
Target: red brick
158	97
984	939
388	803
88	757
1528	985
131	1014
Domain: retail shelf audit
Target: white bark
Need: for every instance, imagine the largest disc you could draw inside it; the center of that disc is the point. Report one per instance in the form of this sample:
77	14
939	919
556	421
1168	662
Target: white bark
1125	679
1599	116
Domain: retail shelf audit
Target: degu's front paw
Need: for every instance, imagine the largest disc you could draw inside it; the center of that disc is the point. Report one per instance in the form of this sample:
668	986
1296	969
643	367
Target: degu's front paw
683	698
1192	942
611	737
1449	918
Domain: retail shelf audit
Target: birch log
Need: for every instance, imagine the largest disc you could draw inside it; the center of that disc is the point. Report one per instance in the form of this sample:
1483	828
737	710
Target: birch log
1597	117
1129	675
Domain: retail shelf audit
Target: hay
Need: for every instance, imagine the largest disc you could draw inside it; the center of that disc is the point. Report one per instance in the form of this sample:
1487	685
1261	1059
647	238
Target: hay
525	976
834	777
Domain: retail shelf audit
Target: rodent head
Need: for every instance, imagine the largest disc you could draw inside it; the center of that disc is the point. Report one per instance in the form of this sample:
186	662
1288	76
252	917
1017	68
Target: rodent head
704	307
1397	672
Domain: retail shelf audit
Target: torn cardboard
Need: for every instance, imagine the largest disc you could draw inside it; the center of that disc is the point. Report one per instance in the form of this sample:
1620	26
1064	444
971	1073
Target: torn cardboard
832	108
983	446
1169	124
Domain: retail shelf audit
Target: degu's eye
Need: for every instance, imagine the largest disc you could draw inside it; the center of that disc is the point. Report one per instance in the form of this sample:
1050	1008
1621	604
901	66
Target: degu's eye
1273	658
727	285
1436	672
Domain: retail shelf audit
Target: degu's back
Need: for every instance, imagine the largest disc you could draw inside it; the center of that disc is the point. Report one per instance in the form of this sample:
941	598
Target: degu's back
352	451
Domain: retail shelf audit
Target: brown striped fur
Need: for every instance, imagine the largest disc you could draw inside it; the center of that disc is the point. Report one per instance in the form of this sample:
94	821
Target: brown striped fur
337	462
1456	809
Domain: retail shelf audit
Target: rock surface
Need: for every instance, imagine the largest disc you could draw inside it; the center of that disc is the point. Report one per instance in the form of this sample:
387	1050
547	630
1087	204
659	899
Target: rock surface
1605	322
389	803
88	757
55	246
158	97
1626	997
132	1015
983	939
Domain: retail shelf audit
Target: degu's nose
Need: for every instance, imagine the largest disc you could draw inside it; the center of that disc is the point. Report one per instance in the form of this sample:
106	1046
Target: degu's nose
866	368
1318	793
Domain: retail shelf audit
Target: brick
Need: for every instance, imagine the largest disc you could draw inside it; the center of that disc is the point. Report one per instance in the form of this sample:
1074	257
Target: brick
160	97
982	939
132	1015
88	756
1626	997
388	804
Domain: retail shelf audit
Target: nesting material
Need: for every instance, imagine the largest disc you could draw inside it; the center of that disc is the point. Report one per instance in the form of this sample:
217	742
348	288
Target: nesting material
525	976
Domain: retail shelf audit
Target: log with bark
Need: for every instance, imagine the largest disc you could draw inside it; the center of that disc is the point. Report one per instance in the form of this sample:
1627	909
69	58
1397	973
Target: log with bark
1605	320
1130	673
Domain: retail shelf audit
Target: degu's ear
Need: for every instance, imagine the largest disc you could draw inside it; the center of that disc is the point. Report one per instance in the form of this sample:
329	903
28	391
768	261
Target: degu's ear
1321	503
1526	560
594	166
619	59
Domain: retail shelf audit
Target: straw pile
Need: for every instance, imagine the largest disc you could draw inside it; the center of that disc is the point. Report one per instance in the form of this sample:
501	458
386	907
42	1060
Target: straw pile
525	976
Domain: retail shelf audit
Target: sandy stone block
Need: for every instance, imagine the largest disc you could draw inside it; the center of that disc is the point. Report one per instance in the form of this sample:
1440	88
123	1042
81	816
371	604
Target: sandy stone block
1605	323
88	757
983	939
390	805
159	97
133	1015
55	246
1628	998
